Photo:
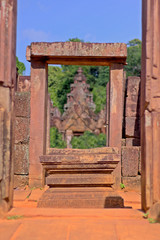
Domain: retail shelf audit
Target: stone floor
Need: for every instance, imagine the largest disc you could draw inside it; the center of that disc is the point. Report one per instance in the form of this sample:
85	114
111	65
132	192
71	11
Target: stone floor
26	221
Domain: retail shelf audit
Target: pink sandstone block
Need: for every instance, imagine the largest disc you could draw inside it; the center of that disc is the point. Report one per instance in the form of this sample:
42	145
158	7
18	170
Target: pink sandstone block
132	142
132	127
22	104
130	160
21	130
77	49
21	165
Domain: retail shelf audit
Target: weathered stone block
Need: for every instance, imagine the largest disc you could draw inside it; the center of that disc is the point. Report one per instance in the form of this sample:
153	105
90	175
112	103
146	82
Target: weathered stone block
21	165
123	142
132	109
133	85
24	83
132	183
139	162
1	140
133	94
130	159
20	180
132	127
132	142
22	104
21	130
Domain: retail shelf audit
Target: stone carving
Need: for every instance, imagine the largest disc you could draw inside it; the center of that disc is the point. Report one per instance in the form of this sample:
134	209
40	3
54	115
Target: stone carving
78	115
24	83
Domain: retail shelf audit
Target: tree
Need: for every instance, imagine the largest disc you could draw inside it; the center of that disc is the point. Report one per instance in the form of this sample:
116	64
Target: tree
89	140
21	67
60	78
56	140
134	58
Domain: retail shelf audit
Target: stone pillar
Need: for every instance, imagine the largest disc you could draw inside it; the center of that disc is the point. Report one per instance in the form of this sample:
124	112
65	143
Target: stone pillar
107	113
116	105
150	103
38	121
69	135
8	23
116	112
48	123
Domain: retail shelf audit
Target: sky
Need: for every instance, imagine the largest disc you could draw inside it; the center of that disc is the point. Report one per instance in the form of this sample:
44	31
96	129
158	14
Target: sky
102	21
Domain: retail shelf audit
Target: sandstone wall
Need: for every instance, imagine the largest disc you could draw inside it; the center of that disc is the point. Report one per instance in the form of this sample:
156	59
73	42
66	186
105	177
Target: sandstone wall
131	167
22	120
131	151
150	103
8	16
132	112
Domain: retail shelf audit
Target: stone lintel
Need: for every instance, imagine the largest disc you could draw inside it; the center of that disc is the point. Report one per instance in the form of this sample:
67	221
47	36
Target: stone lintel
78	53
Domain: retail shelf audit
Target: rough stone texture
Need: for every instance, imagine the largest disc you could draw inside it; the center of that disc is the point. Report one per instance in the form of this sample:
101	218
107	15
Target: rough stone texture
132	127
82	168
21	130
116	112
24	83
21	165
132	142
132	112
38	121
22	104
8	16
20	180
150	103
130	161
22	136
132	98
132	183
154	212
80	198
8	22
139	163
78	53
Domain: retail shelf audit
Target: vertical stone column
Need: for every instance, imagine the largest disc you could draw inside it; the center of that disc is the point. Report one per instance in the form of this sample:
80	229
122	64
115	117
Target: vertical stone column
116	112
8	23
68	137
48	123
38	121
150	103
107	113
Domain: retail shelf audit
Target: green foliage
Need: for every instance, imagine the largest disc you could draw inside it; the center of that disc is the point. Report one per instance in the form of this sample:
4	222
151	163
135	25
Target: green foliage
60	78
145	215
122	186
134	58
56	140
75	40
89	140
14	217
99	97
151	220
21	67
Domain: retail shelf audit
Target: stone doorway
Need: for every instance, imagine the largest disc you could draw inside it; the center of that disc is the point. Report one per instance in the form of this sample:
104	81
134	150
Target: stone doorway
69	53
75	168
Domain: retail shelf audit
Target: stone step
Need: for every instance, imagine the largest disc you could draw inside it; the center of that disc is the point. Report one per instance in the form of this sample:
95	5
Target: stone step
80	158
77	179
66	151
81	166
80	198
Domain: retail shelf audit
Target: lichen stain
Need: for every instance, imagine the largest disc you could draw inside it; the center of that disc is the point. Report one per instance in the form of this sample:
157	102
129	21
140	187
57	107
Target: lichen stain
148	120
